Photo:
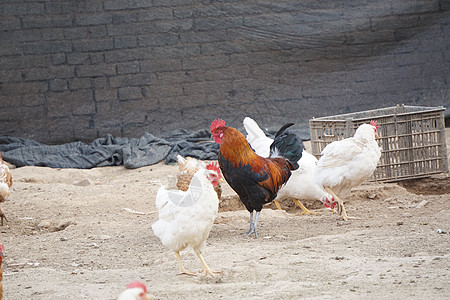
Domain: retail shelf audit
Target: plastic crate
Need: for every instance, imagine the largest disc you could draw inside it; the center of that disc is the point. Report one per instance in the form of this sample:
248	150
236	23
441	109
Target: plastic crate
412	139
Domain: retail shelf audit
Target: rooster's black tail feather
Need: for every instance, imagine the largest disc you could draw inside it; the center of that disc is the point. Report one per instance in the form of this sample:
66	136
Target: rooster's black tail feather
288	146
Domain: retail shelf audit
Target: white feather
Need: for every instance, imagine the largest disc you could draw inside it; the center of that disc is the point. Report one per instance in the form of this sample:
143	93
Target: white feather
257	138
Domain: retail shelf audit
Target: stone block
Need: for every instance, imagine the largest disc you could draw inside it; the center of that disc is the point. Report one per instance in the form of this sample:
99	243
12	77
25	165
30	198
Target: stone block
125	4
96	18
128	68
130	93
17	9
92	45
162	65
80	83
125	42
130	80
95	70
58	85
46	21
105	95
47	47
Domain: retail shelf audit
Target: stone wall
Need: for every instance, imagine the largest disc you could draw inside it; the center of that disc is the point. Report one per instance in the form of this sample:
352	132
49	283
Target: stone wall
77	70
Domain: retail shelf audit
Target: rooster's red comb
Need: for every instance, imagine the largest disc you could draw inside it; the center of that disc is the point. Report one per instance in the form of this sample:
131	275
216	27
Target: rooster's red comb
216	124
137	284
374	123
214	167
1	250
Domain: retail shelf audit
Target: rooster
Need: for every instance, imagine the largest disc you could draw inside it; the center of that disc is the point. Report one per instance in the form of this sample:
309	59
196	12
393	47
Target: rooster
135	291
187	168
254	178
1	273
301	184
186	218
5	185
347	163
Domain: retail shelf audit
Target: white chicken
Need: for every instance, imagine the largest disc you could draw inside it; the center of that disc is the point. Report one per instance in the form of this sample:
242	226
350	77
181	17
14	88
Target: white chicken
301	184
5	184
347	163
134	291
186	218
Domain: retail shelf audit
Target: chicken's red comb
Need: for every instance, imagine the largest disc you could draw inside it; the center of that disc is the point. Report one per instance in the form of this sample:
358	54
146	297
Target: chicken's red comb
374	123
1	251
216	124
214	167
137	284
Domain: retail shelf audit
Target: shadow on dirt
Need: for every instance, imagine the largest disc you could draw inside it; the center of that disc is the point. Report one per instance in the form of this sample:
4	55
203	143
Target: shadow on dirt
427	186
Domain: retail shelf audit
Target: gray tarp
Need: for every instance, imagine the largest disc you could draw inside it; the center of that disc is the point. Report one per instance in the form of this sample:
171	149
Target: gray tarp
110	151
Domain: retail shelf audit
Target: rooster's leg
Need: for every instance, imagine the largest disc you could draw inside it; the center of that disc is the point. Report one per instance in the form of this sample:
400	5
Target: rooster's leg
341	208
206	270
2	216
183	271
305	210
253	224
277	204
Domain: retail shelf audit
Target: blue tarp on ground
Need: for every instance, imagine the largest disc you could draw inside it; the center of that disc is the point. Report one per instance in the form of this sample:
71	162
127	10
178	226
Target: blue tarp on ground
110	151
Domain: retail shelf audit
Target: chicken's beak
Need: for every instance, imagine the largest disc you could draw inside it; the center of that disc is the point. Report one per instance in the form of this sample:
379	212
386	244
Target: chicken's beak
147	297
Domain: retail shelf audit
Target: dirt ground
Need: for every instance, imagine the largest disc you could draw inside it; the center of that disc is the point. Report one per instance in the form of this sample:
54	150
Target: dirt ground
69	236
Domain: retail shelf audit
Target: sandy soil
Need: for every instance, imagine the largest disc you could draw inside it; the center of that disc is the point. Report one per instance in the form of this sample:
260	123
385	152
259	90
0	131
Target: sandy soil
70	237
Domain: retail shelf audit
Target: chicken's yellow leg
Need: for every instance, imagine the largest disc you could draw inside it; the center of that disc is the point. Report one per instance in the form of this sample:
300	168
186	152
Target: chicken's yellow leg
305	210
277	204
183	271
206	270
341	208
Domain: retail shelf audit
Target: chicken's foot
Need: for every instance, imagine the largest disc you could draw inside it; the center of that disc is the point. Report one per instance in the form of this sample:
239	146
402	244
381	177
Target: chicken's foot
206	270
341	208
305	211
183	271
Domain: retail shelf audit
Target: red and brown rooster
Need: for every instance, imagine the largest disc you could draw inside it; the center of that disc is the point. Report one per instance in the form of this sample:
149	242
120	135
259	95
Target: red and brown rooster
254	178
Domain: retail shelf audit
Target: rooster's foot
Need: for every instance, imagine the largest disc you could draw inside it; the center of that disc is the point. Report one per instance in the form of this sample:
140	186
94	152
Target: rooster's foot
251	231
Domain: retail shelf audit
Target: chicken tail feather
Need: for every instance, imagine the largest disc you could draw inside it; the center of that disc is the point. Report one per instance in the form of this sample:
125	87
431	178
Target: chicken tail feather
287	146
282	129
